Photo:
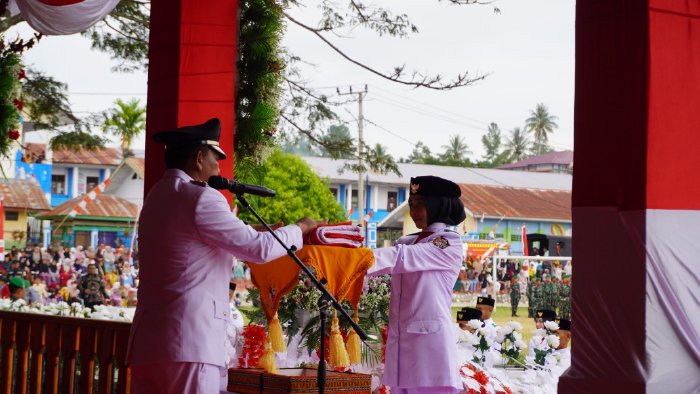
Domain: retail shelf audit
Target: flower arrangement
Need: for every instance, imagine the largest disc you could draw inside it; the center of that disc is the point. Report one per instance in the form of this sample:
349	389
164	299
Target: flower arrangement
253	346
76	309
478	381
511	340
547	335
297	312
11	73
481	341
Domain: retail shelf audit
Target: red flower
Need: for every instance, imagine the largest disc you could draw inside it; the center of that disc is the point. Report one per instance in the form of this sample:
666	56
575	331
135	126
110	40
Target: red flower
18	104
481	377
21	74
253	346
13	134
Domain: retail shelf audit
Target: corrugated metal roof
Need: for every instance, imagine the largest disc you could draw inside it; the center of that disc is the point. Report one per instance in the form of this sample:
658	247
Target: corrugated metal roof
564	157
103	206
512	202
138	164
326	167
105	156
23	194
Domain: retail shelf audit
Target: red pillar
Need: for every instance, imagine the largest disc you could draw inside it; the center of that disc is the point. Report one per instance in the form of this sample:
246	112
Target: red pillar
191	74
636	198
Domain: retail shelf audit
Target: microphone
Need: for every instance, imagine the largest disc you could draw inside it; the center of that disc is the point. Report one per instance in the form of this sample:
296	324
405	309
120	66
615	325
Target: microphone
220	183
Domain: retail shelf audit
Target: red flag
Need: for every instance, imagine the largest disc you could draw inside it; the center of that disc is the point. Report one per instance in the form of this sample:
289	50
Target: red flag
524	238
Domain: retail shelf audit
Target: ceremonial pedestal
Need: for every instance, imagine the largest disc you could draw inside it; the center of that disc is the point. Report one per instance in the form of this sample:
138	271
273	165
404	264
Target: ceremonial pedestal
295	380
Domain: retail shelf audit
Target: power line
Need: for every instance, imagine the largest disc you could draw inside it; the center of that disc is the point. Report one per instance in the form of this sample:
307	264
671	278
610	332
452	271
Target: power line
431	106
419	111
390	132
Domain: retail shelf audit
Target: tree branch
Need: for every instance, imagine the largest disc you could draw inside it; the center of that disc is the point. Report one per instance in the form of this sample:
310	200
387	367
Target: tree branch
123	34
424	81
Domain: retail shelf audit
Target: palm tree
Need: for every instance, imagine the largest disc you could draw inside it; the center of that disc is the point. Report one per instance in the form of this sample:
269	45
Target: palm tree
126	121
516	145
456	151
380	161
541	124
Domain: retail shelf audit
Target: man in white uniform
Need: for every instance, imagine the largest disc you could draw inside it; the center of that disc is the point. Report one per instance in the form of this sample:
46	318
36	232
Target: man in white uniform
187	236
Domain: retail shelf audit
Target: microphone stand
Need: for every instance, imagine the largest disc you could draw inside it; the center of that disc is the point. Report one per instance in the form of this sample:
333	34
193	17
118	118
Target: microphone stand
325	301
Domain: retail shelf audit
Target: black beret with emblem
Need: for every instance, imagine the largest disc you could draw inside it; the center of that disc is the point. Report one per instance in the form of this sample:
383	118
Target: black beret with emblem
564	324
466	314
488	301
434	186
206	133
546	315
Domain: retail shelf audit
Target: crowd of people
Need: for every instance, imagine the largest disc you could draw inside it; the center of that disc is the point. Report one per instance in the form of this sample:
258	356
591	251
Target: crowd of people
90	276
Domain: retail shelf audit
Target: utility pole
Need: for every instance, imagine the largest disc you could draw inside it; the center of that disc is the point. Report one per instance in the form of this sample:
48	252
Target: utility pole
360	147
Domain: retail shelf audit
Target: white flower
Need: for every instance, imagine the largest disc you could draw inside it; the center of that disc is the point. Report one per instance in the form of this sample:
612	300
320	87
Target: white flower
489	342
520	344
475	340
500	336
474	324
507	330
550	360
515	325
553	341
517	336
539	332
551	326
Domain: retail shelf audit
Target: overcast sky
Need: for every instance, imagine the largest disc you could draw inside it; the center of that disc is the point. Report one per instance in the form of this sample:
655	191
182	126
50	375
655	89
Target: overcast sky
527	50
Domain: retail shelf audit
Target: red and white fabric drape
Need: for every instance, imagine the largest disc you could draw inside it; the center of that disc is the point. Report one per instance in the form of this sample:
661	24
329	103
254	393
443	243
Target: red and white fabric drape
58	17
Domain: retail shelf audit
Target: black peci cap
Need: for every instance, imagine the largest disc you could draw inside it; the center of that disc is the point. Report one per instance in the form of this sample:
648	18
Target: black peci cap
565	324
546	315
466	314
207	133
434	186
488	301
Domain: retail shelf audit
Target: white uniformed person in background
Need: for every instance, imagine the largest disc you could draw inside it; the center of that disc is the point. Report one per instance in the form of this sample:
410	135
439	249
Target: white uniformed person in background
187	237
541	316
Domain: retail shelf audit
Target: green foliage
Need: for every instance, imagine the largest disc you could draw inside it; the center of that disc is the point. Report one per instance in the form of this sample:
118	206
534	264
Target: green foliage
492	143
76	140
124	34
258	93
46	104
126	121
300	192
540	124
516	145
298	314
9	85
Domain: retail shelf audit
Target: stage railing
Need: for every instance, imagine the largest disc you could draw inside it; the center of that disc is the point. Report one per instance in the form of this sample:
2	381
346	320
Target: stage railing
52	354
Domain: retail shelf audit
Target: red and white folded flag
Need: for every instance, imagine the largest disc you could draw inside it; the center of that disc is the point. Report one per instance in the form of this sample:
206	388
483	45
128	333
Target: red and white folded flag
340	234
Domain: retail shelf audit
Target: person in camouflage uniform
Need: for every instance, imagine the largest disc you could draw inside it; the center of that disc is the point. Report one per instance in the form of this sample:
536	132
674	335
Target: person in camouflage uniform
92	288
550	295
565	298
529	293
538	295
514	296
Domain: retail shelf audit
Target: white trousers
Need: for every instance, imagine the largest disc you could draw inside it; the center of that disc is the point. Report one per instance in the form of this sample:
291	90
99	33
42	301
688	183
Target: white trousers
175	378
